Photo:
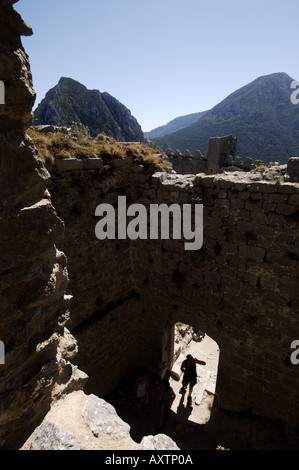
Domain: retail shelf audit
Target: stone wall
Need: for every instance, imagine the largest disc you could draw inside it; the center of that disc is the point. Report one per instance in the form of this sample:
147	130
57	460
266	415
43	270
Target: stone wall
186	165
103	316
293	169
240	288
33	274
221	156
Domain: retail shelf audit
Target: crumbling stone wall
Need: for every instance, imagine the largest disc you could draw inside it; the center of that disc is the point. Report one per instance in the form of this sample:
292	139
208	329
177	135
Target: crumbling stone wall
33	274
188	165
219	151
221	156
103	318
293	169
240	288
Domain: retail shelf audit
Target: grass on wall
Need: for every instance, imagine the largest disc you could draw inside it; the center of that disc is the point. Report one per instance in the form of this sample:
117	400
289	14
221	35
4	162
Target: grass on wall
59	145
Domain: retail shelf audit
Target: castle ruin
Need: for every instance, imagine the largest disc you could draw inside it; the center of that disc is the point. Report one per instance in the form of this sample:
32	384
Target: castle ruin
78	312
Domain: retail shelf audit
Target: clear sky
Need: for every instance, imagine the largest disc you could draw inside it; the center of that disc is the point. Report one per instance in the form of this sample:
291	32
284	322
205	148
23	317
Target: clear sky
160	58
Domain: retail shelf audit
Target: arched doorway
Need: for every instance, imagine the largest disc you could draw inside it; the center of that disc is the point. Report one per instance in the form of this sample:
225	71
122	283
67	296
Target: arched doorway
187	340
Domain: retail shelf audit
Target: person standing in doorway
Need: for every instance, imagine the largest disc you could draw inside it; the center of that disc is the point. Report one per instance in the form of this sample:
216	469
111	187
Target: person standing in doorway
188	367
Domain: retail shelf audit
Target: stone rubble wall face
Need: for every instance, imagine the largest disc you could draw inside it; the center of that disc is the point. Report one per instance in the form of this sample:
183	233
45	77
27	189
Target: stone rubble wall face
33	273
240	288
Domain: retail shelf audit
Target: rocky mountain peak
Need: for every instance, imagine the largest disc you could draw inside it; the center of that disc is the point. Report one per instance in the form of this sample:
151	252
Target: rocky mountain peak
70	101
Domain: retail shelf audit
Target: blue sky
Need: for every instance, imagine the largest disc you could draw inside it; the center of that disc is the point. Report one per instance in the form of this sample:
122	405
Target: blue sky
160	58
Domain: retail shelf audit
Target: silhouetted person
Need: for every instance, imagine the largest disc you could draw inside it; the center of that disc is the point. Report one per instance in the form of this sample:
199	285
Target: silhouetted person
190	375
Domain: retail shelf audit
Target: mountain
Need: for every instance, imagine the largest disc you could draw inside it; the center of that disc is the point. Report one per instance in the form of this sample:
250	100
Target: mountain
261	116
71	102
174	125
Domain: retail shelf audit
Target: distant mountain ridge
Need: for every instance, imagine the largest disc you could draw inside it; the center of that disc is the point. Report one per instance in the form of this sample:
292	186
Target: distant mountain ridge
71	102
174	125
260	114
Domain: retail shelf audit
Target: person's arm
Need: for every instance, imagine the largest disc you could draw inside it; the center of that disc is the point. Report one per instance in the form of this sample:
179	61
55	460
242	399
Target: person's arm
183	366
203	363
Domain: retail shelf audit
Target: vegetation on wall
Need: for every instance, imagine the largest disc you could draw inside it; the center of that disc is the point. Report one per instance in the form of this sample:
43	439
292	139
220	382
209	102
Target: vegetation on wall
60	145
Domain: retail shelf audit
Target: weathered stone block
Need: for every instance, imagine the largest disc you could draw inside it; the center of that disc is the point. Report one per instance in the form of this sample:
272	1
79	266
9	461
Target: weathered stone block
221	194
93	163
49	436
294	199
197	154
277	197
256	196
240	186
236	203
274	219
69	164
204	180
286	188
118	163
293	168
252	252
103	420
219	149
157	442
285	209
139	178
248	165
263	187
252	205
244	195
268	206
222	203
280	259
223	183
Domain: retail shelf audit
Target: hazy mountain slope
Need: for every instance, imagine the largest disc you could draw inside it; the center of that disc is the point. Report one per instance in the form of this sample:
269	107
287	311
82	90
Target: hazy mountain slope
174	125
260	114
71	102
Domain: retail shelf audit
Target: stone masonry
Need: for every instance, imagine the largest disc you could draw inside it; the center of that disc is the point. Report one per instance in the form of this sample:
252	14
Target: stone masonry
240	288
221	154
114	303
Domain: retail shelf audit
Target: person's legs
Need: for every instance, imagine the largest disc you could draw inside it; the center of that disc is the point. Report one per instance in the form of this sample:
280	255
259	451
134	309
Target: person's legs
184	385
191	386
